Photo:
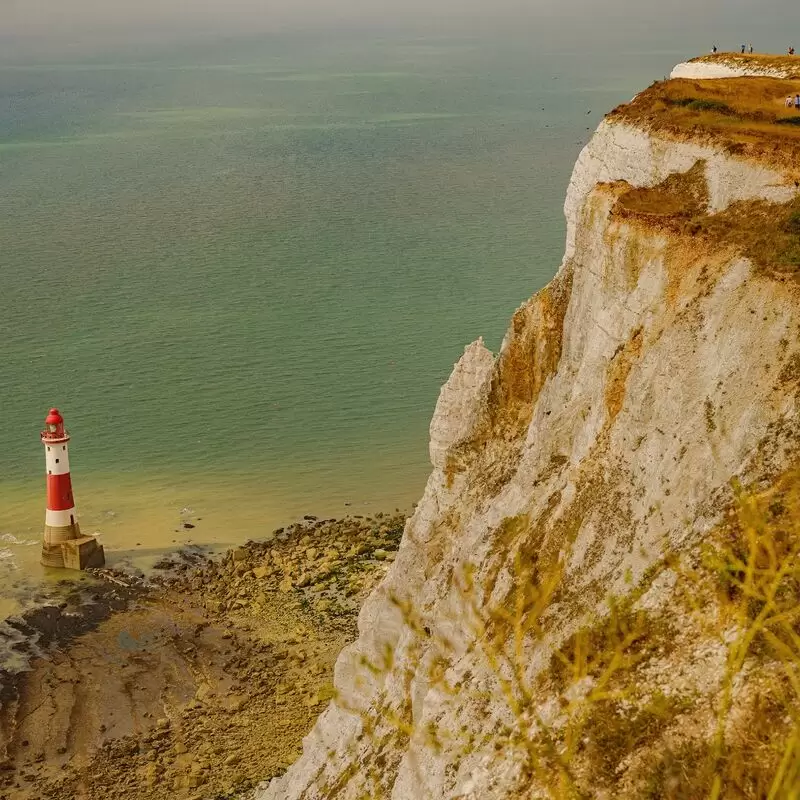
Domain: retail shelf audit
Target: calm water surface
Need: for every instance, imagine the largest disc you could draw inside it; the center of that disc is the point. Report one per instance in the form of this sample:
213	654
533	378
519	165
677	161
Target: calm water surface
243	271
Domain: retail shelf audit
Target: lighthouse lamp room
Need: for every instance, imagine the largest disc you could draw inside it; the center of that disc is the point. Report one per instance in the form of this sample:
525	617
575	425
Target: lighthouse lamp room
63	546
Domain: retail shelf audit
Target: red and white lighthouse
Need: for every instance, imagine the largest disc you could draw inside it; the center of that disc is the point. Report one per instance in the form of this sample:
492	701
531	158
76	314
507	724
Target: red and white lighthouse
63	544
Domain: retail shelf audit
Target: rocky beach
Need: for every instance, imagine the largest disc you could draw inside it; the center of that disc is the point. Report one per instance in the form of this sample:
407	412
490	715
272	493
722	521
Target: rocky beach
198	682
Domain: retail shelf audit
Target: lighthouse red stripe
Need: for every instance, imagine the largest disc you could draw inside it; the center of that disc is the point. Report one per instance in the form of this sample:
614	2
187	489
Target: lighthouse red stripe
59	492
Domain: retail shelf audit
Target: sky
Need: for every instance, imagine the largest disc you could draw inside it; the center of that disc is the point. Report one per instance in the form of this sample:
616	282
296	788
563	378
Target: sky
64	24
62	17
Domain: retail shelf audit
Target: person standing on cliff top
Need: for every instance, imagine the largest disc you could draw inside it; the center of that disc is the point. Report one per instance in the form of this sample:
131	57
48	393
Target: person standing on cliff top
744	47
797	101
750	49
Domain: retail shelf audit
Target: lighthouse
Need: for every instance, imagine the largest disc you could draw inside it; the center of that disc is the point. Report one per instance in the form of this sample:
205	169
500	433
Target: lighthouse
63	545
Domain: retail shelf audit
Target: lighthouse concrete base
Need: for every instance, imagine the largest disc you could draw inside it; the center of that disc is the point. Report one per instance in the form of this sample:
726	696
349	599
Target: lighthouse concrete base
77	553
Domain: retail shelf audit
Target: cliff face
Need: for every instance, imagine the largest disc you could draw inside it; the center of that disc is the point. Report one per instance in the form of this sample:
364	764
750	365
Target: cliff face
589	459
736	65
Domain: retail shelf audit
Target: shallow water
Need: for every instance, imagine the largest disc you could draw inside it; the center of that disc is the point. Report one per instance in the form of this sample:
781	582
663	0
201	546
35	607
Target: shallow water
243	272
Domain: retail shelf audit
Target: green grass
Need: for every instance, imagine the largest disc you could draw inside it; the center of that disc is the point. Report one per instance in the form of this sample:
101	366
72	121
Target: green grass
695	104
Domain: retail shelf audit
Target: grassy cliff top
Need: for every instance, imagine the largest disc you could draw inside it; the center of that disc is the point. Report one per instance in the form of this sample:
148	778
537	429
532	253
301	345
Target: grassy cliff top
785	66
746	117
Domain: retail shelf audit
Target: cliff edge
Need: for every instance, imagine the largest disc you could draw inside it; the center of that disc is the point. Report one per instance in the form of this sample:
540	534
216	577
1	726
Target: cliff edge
594	597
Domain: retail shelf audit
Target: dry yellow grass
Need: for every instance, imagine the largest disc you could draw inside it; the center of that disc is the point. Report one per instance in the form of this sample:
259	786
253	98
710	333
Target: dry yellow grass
747	117
766	233
683	195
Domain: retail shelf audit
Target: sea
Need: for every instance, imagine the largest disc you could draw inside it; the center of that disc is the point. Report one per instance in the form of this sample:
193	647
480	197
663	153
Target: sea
242	268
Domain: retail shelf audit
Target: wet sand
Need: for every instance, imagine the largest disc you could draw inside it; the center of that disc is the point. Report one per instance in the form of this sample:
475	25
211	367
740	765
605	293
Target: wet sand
141	519
200	684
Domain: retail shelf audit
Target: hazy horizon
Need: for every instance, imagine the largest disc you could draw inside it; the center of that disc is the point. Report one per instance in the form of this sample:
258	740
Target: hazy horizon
49	27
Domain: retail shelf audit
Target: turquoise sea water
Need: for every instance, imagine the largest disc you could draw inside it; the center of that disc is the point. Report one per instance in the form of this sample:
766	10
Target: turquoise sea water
243	271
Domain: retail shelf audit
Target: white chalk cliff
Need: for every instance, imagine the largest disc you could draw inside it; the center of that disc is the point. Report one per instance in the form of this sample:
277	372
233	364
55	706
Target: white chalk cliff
628	393
734	65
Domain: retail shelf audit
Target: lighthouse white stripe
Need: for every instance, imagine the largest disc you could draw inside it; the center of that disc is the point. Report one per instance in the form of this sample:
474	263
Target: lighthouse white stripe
57	458
59	519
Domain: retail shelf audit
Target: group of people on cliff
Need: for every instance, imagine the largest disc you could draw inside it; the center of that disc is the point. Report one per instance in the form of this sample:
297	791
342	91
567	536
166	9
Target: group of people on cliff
745	49
791	102
748	49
